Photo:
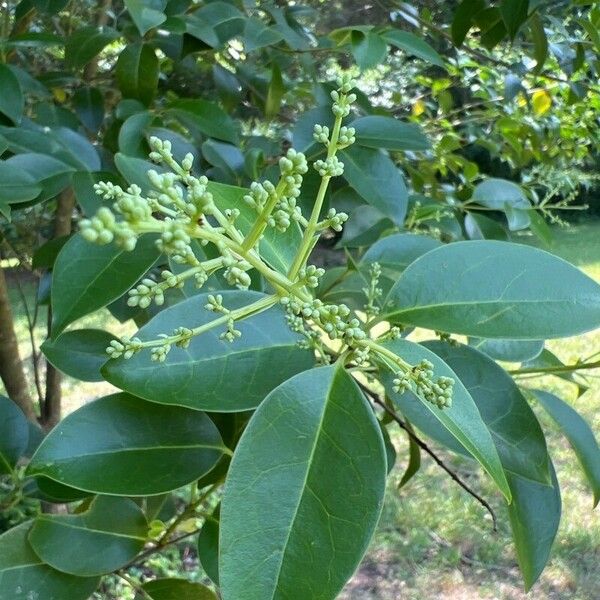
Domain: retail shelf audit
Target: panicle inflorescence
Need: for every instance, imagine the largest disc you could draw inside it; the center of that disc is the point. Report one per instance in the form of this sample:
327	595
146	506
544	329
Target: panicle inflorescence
420	379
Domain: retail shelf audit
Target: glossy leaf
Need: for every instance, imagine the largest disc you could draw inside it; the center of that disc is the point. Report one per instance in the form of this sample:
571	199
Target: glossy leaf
104	538
514	14
14	434
208	546
86	43
322	488
414	45
506	196
12	101
375	177
207	374
16	186
515	429
88	103
368	48
508	350
88	277
171	588
495	290
208	117
391	134
462	421
124	446
137	72
580	436
463	19
24	575
146	14
79	353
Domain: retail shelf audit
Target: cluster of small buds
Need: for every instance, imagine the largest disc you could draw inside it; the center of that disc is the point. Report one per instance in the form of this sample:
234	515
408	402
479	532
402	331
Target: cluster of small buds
346	137
215	304
438	391
235	272
330	167
124	347
161	150
259	194
321	134
334	219
230	334
311	275
373	292
395	333
446	337
159	353
103	229
185	336
286	211
145	292
361	354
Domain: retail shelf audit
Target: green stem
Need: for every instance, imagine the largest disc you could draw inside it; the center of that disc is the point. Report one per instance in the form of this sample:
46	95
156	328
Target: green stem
263	218
557	369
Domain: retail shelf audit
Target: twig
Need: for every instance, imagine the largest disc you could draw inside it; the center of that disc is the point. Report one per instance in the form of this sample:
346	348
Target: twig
557	369
377	400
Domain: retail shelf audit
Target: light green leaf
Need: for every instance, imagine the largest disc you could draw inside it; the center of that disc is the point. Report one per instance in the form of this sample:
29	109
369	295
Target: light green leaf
208	117
16	186
207	374
123	446
506	196
508	350
462	420
14	434
171	588
311	461
369	49
137	72
580	436
495	290
375	177
104	538
12	101
515	430
275	92
411	44
24	575
79	353
87	277
391	134
146	14
86	43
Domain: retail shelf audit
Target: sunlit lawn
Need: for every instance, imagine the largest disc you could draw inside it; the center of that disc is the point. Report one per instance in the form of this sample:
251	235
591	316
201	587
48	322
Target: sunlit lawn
433	540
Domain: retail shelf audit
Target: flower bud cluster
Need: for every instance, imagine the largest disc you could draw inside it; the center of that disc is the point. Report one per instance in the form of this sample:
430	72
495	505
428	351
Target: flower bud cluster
420	380
373	292
125	347
346	137
310	276
235	272
286	211
334	219
103	229
321	134
330	167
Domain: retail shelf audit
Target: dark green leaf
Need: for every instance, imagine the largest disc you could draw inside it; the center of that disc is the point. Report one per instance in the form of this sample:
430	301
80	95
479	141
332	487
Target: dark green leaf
207	375
322	488
16	186
514	14
24	575
176	589
275	93
88	103
257	35
14	434
79	353
495	290
137	72
508	350
463	19
85	44
12	101
411	44
375	177
462	420
414	461
540	41
208	117
580	436
478	227
104	538
369	49
124	446
506	196
208	546
88	277
389	133
146	14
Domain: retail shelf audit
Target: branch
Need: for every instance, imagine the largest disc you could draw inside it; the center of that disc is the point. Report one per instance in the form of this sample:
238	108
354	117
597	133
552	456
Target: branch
557	369
377	400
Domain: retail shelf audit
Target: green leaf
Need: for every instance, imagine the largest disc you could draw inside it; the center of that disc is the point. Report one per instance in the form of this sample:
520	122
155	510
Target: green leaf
16	186
312	463
176	589
51	491
124	446
508	350
514	14
146	14
137	72
506	196
208	546
86	43
79	353
87	277
463	19
540	41
88	103
12	101
50	7
534	518
275	93
478	227
495	290
208	117
580	436
369	49
207	374
462	420
104	538
515	430
14	434
548	360
391	134
24	575
375	177
411	44
414	461
257	35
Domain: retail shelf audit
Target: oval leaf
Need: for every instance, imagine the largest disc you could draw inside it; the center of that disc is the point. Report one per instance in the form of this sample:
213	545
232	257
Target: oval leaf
14	434
12	101
137	72
508	350
389	133
495	290
123	446
104	538
207	374
171	588
321	489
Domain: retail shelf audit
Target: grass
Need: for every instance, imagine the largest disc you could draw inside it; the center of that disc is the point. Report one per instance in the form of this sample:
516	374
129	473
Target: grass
433	540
